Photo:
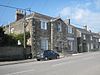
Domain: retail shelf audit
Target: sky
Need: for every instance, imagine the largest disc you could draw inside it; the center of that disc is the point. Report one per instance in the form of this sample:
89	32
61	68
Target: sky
81	12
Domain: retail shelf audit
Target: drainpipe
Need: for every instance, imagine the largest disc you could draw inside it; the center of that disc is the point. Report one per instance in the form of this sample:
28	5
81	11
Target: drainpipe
51	35
24	26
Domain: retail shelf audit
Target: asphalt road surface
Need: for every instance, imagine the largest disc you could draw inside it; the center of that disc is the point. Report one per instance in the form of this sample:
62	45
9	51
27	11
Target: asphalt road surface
81	64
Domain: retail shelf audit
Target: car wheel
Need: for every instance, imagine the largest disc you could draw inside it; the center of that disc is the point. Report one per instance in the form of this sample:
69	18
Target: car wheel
38	59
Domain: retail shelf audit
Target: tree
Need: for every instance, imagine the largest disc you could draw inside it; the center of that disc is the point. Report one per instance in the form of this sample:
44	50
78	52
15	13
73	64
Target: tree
7	40
11	39
1	36
21	37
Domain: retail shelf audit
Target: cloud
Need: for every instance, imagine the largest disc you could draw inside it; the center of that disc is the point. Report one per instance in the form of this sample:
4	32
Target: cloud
97	3
65	11
82	15
76	12
93	21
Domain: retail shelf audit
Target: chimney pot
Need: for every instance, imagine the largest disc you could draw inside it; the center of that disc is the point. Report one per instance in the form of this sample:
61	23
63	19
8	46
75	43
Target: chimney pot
19	14
85	27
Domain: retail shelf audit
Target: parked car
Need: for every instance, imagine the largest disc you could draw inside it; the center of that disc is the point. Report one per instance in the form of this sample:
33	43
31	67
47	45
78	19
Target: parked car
47	55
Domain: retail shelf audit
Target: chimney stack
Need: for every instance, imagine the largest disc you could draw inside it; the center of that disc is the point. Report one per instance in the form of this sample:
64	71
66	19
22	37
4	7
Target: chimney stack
19	14
85	27
67	21
90	31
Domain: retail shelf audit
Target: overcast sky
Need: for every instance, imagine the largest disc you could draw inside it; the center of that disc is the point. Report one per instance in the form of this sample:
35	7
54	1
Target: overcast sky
81	12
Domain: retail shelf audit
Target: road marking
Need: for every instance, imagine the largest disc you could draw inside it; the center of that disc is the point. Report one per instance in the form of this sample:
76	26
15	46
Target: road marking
77	54
17	73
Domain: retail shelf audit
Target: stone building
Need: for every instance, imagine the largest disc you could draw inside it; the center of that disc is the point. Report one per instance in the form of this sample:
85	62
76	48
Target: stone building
95	41
87	40
46	33
71	37
49	33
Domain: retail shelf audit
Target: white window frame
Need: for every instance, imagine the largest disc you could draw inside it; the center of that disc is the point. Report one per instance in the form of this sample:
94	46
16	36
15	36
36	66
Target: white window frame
84	37
91	37
91	45
70	29
44	43
70	44
44	25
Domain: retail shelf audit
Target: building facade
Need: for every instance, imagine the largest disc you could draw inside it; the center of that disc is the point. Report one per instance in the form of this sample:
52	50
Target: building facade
46	33
71	37
49	33
87	41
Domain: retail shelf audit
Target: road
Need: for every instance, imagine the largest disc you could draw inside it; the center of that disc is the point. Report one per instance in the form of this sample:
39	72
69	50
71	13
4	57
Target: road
82	64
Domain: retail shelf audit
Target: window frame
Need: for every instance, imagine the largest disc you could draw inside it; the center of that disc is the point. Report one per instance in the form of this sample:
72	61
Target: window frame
44	43
70	30
44	25
59	27
91	37
84	37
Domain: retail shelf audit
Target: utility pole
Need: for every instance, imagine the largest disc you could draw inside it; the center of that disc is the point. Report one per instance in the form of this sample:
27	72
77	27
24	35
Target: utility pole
24	29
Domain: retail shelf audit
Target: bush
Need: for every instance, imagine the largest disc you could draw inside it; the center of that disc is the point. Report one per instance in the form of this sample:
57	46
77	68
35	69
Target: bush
12	39
9	40
21	37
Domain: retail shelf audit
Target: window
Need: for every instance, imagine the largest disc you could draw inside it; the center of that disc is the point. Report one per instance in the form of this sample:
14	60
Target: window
97	40
44	25
84	37
96	46
44	44
70	43
91	45
70	29
91	37
59	28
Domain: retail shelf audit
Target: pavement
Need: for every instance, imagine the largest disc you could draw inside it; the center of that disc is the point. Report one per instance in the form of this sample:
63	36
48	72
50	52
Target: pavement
3	63
34	60
16	62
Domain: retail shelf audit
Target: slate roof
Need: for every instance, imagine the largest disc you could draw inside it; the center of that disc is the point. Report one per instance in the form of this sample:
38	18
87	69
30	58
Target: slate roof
38	15
83	31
